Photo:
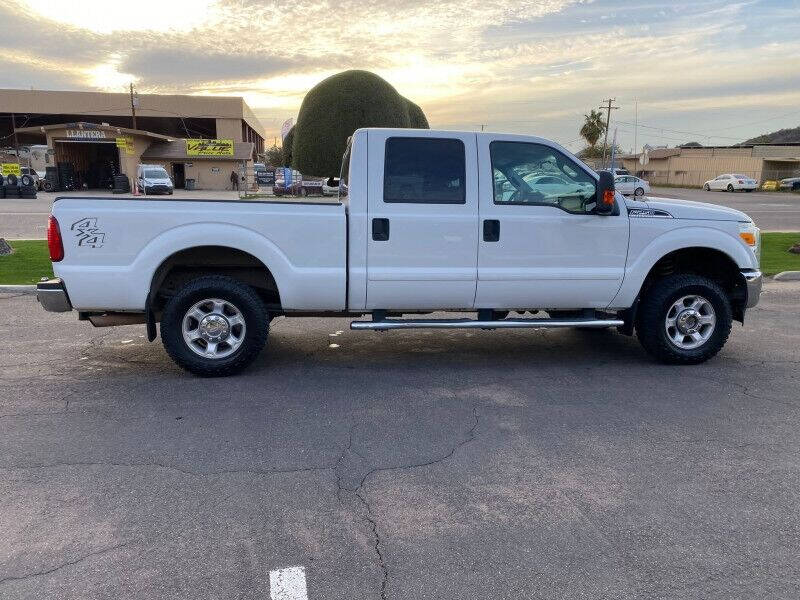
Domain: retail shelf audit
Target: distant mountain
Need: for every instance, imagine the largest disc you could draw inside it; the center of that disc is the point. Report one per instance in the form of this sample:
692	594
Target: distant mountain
782	136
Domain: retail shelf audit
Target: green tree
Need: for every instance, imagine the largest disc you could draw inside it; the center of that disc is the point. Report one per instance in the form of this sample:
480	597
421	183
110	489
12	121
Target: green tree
337	106
592	128
275	156
287	155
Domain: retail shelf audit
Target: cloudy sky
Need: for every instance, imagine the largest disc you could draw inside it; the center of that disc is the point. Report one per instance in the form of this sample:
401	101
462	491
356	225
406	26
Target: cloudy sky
713	71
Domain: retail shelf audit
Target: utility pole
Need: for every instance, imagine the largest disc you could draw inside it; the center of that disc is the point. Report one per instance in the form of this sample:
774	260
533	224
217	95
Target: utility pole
133	107
607	106
636	129
14	129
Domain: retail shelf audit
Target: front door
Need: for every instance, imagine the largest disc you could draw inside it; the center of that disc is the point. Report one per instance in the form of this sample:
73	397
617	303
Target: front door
423	220
179	175
539	248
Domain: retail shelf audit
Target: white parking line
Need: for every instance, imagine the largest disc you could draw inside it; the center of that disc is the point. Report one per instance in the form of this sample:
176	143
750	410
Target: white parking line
288	584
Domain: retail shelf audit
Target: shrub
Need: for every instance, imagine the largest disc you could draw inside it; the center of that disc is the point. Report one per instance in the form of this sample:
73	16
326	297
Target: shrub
337	106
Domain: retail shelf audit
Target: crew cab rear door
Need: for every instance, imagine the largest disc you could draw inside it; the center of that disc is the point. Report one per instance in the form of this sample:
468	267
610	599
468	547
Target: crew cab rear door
423	220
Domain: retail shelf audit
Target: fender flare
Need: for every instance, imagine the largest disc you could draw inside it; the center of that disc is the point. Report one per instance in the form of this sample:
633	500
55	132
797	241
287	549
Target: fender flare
678	239
158	250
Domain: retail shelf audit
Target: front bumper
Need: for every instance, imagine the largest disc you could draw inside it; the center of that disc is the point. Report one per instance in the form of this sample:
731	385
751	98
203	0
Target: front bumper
157	189
753	279
52	295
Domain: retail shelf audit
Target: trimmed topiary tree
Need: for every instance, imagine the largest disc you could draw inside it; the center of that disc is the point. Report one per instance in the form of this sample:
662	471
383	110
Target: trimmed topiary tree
337	106
288	143
417	118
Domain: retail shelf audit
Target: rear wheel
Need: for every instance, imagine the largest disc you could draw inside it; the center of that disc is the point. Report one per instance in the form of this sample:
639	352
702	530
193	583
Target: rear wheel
730	187
707	187
639	192
684	319
214	326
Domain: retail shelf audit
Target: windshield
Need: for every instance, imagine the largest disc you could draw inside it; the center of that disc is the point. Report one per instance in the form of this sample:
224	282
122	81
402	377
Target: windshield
156	174
741	177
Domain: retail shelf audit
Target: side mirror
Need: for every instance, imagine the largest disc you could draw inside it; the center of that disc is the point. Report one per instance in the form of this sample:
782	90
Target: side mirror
605	194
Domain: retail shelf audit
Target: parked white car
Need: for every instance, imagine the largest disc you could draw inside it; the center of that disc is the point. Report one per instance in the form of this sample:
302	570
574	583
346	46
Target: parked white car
154	179
330	187
631	186
731	182
419	227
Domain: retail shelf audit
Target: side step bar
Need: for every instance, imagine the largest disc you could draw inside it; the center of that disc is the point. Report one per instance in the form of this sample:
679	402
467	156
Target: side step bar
472	324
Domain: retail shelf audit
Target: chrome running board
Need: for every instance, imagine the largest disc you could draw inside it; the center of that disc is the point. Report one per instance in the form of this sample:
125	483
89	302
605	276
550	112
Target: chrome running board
473	324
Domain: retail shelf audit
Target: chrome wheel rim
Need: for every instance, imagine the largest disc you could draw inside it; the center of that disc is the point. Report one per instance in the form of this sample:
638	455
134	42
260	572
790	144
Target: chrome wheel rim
690	322
213	328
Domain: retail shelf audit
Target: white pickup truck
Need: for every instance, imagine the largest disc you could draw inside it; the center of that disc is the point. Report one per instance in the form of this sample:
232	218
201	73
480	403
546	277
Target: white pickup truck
425	221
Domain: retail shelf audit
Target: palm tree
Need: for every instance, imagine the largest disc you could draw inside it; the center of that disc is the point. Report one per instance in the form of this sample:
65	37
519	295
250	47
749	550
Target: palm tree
593	127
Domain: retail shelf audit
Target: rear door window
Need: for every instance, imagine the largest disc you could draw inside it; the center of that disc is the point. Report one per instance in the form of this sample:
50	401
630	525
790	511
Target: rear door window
424	171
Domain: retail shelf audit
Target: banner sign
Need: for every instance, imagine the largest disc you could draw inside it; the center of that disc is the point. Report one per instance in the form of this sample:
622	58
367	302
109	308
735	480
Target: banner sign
287	177
287	125
86	134
11	169
209	147
125	143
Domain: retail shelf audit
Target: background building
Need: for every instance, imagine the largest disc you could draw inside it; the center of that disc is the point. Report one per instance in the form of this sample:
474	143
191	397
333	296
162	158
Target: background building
694	166
80	131
176	116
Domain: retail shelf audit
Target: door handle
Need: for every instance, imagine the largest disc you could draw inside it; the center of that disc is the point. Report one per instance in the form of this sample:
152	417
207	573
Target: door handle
380	230
491	230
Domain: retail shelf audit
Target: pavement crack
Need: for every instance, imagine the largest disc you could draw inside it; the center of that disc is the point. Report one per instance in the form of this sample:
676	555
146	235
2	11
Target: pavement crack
133	465
360	493
70	563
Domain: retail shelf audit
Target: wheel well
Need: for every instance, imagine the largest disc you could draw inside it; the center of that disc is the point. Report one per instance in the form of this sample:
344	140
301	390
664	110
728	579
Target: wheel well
706	262
188	264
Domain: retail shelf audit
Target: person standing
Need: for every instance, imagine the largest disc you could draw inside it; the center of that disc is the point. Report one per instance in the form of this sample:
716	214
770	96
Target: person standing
234	181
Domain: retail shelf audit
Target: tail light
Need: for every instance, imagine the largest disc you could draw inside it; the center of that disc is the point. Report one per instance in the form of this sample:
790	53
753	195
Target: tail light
54	243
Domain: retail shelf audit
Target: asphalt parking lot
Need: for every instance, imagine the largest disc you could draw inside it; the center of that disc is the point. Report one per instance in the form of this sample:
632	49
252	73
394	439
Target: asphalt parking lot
771	211
27	219
403	465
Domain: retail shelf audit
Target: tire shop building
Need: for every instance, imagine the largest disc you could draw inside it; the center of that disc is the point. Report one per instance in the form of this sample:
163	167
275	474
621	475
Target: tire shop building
84	129
693	166
86	155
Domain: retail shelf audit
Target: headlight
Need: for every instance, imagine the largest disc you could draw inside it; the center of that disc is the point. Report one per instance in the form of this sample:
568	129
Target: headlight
751	235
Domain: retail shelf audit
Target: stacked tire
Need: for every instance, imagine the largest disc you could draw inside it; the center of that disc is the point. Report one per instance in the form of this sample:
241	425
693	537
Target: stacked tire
27	187
10	187
122	185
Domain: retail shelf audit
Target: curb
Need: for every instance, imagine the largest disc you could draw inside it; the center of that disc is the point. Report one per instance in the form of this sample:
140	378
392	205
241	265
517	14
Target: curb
17	289
788	276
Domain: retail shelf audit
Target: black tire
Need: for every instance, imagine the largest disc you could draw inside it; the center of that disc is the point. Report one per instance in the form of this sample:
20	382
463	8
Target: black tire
730	187
48	186
225	288
657	302
11	179
26	181
706	187
638	192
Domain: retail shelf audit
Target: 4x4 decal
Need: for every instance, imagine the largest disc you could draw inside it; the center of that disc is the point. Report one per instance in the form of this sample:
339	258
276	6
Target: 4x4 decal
88	233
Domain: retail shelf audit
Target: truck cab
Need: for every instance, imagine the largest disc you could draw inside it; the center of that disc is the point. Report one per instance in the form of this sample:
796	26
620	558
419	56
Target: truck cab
424	221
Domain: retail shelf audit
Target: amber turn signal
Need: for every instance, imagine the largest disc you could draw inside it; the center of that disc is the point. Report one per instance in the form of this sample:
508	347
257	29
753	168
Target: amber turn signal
608	197
749	238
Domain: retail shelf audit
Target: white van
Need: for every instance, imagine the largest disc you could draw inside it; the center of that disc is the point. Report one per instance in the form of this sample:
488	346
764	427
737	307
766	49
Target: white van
154	179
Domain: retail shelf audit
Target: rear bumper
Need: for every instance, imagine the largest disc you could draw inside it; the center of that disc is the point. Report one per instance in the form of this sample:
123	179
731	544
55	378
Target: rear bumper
52	295
753	279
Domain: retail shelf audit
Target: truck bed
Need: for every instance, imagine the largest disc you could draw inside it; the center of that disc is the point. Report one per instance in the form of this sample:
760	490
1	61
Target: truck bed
113	246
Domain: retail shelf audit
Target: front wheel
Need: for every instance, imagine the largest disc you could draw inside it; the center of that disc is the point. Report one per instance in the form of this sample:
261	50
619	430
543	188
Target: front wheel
639	192
684	319
730	187
707	187
214	326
